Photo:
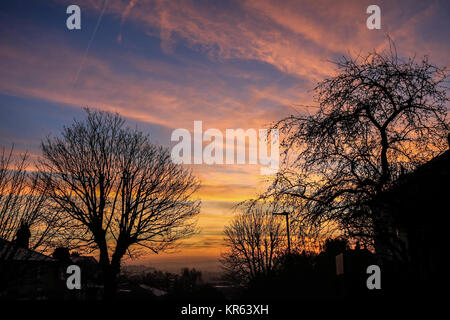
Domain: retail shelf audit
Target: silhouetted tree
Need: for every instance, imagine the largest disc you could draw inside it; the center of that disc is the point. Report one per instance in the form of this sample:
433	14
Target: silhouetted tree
380	115
121	190
25	216
254	239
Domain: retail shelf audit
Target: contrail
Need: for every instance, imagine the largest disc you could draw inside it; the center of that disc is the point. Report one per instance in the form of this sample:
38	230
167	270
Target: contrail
99	20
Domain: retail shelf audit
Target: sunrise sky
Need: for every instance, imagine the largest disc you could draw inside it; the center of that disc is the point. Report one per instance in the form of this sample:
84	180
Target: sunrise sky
164	64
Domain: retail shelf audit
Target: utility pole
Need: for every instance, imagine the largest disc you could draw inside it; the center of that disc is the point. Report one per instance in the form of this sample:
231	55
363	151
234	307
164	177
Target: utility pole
284	213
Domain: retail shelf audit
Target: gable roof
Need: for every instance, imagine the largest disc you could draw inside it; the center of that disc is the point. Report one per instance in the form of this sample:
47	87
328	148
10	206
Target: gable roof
83	259
429	177
12	252
417	197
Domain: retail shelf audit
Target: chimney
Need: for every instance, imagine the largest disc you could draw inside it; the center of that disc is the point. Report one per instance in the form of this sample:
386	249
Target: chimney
23	235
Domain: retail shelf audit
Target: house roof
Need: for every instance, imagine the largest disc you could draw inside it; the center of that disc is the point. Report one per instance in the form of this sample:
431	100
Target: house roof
427	176
12	252
83	259
418	196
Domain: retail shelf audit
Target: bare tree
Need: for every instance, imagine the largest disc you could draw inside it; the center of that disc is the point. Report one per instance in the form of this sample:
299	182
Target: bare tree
380	116
254	240
26	219
120	189
22	204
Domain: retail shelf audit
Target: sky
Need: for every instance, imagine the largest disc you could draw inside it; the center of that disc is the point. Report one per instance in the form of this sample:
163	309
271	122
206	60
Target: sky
164	64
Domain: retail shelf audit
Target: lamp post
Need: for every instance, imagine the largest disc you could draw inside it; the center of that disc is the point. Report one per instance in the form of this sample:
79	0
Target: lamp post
284	213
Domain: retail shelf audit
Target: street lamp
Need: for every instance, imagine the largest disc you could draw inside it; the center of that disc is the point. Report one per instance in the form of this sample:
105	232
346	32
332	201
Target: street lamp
285	213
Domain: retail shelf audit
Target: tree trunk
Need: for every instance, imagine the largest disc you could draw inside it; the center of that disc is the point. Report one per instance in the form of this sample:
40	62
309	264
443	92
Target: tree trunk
110	284
109	275
112	271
